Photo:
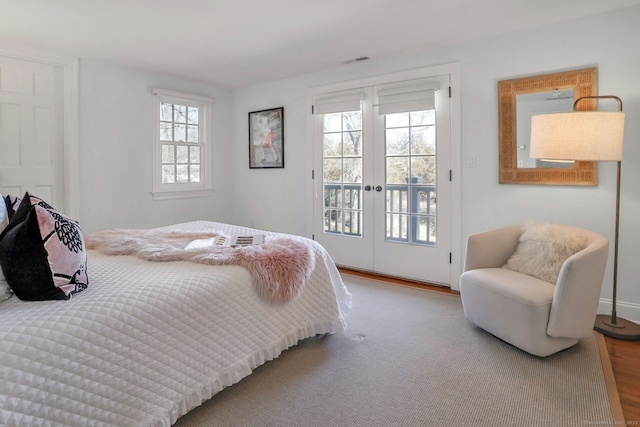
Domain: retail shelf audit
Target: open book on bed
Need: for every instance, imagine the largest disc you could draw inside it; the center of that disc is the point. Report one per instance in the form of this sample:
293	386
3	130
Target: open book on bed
233	241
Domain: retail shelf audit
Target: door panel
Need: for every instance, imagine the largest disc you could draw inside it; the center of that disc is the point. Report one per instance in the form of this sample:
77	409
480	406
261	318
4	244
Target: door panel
31	129
412	220
342	200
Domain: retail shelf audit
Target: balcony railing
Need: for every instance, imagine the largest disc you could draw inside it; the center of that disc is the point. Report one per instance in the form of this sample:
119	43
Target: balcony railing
410	211
343	209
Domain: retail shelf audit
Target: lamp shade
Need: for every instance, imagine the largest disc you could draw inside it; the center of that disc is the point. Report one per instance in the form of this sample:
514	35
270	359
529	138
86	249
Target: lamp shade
578	135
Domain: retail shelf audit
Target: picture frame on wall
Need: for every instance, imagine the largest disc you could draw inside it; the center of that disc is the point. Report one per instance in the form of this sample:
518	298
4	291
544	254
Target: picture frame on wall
266	138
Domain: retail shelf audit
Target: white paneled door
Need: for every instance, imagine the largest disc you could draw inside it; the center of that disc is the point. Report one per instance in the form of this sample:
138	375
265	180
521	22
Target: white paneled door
382	181
31	129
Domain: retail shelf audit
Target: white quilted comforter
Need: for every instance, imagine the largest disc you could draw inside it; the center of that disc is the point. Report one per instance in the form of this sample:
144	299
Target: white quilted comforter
148	341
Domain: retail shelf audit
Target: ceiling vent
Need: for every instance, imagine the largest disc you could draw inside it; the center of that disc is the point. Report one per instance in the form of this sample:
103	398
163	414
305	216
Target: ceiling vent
351	61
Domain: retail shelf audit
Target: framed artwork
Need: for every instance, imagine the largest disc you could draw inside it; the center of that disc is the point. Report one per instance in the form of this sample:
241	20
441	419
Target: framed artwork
266	138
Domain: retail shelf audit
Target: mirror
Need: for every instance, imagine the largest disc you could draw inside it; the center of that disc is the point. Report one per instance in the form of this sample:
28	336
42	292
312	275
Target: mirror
528	105
521	98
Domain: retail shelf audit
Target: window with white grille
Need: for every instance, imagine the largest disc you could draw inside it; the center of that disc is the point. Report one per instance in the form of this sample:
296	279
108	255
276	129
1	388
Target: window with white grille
182	145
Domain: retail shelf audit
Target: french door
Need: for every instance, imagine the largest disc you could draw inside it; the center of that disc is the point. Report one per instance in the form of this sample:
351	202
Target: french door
382	199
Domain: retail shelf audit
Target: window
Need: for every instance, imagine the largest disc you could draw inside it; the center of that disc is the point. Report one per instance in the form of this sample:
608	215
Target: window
410	155
342	172
180	139
182	145
342	167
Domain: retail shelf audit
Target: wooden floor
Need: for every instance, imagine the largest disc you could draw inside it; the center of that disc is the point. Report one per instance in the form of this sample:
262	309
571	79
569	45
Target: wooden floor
624	355
625	361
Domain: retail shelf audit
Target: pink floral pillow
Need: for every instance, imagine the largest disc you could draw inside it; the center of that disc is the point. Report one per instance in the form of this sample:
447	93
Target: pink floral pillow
42	253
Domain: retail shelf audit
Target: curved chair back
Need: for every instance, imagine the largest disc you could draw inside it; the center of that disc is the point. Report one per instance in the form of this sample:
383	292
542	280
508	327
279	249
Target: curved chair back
577	293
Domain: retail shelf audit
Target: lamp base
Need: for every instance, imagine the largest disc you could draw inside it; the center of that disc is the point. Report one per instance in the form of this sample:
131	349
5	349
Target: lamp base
622	329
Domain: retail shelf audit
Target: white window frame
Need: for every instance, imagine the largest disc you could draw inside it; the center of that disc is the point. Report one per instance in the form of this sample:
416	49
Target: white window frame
163	191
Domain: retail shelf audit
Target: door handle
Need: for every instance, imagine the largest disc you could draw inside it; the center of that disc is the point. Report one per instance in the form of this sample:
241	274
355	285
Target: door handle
367	188
378	189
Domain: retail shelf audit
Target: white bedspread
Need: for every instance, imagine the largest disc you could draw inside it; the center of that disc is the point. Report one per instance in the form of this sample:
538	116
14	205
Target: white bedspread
147	341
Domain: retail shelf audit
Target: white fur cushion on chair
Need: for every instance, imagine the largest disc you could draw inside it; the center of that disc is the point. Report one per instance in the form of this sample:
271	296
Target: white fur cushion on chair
542	250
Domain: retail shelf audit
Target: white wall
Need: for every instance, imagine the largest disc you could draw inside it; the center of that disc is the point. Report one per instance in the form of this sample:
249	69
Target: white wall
116	128
116	132
277	199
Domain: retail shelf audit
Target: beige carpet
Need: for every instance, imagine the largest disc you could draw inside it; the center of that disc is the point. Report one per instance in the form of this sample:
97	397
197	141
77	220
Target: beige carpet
410	358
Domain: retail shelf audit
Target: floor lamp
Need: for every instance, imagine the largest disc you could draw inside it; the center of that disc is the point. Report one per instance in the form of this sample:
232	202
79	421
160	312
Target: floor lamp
588	136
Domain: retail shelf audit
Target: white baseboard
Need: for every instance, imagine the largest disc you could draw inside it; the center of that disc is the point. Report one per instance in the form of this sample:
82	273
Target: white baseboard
624	310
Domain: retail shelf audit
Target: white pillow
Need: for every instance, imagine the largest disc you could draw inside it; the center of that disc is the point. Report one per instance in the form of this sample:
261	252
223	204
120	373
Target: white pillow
542	250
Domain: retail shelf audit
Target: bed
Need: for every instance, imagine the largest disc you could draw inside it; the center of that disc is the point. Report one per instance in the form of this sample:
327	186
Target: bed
147	341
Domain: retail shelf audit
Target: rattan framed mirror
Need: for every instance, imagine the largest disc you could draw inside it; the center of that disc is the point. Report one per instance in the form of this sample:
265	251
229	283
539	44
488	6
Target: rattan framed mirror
520	98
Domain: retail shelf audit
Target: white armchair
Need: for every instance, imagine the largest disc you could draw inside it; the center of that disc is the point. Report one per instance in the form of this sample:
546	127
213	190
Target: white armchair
534	315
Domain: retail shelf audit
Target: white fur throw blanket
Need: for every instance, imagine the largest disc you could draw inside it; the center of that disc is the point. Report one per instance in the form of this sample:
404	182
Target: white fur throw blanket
280	267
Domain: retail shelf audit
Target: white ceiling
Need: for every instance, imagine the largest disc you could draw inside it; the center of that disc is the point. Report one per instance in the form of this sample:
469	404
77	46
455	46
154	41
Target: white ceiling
237	43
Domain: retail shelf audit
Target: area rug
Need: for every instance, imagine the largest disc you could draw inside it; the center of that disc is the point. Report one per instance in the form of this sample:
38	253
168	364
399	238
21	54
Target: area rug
409	357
